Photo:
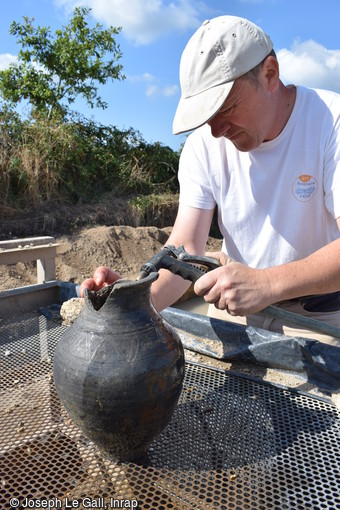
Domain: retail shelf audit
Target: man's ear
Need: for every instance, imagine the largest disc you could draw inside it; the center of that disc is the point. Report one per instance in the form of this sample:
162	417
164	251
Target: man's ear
270	72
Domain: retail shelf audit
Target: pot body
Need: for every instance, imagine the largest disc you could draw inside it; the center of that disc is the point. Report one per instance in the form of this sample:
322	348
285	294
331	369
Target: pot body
119	370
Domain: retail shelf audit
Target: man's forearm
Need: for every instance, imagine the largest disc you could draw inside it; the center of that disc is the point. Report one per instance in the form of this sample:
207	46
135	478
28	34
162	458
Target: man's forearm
167	289
319	273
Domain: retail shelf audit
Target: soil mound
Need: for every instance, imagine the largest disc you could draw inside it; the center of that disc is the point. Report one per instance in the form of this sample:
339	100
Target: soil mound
123	248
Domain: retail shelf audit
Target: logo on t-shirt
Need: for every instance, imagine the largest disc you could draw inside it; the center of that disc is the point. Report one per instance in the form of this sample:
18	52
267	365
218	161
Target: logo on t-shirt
304	187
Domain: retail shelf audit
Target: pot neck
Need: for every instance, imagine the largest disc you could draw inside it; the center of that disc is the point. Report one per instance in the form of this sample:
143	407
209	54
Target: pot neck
127	294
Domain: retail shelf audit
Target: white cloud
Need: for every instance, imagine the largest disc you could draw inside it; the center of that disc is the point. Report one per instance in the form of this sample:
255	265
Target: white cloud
144	21
166	91
311	64
170	90
137	78
6	59
153	88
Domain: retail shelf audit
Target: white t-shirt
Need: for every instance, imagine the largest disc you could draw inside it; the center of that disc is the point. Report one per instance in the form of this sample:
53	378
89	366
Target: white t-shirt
279	202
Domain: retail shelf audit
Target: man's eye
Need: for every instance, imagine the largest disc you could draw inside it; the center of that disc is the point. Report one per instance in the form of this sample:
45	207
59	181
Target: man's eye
230	110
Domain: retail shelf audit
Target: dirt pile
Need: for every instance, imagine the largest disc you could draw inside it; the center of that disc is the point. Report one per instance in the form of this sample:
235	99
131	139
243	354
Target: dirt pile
122	248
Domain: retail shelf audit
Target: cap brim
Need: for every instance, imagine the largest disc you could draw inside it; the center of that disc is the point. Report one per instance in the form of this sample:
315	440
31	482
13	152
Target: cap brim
193	112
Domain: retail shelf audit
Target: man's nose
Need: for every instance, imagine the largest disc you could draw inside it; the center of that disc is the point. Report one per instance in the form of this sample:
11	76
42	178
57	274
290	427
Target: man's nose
219	127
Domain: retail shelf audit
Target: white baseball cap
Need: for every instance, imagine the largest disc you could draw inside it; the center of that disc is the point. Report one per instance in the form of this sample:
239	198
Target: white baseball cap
221	50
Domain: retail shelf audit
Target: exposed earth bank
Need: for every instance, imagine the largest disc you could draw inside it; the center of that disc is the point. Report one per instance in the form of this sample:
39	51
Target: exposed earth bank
123	248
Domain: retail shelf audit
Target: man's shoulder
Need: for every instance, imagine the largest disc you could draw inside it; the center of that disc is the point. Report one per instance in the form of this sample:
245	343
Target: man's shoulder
328	97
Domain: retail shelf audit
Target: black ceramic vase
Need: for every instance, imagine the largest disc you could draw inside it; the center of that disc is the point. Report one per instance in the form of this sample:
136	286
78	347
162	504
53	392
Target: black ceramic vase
119	369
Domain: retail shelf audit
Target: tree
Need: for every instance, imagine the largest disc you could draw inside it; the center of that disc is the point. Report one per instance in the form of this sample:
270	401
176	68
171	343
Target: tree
52	71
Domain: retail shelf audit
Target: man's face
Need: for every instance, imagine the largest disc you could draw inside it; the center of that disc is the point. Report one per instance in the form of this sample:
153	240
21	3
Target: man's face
244	117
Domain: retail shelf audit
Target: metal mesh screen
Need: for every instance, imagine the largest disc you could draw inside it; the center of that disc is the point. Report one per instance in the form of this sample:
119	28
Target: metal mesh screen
233	443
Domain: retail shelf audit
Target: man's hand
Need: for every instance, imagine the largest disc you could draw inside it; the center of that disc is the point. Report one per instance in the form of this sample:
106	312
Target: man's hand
220	256
235	287
102	277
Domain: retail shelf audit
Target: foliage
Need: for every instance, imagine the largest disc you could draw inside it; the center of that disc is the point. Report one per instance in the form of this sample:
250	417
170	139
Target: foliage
156	209
52	71
148	168
56	154
78	160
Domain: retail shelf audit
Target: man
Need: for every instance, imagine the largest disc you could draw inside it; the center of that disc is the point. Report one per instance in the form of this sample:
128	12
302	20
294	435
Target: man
268	156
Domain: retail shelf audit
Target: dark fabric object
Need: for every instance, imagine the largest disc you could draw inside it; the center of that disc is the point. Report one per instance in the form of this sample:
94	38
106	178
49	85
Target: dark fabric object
322	303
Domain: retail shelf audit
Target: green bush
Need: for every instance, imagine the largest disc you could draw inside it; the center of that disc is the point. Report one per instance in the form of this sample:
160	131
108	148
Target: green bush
158	210
78	159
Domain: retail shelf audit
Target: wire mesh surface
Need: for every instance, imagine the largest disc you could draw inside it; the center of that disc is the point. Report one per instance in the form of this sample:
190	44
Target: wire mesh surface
233	443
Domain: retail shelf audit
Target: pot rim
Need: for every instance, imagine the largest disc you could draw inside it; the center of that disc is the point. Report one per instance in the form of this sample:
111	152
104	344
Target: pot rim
118	284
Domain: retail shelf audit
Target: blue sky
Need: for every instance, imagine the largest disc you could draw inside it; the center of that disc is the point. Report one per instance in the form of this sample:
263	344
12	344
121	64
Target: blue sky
154	33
